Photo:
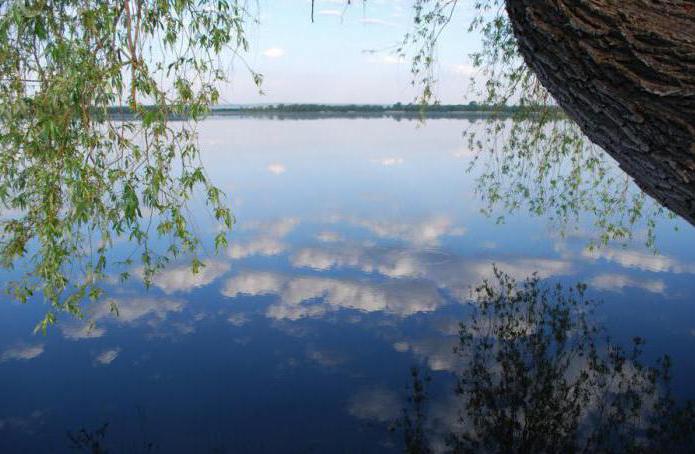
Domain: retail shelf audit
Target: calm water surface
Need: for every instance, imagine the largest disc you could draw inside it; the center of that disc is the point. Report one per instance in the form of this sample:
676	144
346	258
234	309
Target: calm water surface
356	244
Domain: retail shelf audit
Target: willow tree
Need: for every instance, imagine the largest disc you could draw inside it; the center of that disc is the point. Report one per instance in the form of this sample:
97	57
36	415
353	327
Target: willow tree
625	72
73	176
622	74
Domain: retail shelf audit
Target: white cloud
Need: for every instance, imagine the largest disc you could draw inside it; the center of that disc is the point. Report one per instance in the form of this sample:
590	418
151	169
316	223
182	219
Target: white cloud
640	260
388	162
274	52
134	309
375	404
28	424
328	237
298	297
616	282
77	330
388	262
22	352
393	60
375	21
463	153
152	311
267	241
441	270
107	356
386	59
423	233
437	352
329	12
401	298
464	70
401	347
277	228
183	279
261	246
325	358
238	319
253	283
276	168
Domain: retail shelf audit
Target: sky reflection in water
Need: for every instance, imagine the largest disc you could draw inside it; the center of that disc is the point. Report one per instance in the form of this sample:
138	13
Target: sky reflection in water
356	243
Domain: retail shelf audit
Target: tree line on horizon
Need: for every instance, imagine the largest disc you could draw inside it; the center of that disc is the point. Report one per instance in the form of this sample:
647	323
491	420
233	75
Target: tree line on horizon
414	108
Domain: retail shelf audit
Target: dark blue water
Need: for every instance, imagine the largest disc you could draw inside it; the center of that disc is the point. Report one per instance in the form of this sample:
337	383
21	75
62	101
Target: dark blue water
356	244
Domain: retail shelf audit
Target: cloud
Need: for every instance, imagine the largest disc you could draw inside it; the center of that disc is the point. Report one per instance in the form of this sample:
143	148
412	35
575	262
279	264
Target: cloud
274	52
424	233
616	283
311	296
388	162
328	237
464	70
442	270
437	352
417	274
253	284
393	59
375	21
464	153
107	356
522	268
389	59
329	12
388	262
325	358
640	260
299	296
277	228
238	319
261	246
28	424
135	309
267	241
183	279
77	330
375	404
124	311
276	168
22	352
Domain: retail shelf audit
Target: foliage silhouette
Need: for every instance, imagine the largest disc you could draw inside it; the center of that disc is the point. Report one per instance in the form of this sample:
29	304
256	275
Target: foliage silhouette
538	376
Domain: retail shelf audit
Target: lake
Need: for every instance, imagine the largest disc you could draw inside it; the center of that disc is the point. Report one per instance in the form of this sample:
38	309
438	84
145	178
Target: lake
356	245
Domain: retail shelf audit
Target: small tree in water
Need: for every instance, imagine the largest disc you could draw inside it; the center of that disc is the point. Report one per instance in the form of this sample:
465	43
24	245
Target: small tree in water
539	376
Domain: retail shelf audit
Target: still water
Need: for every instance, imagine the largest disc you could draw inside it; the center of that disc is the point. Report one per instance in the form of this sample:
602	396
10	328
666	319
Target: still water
355	247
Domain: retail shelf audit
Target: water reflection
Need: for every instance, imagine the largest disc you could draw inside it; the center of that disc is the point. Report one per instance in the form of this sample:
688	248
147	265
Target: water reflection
537	375
346	268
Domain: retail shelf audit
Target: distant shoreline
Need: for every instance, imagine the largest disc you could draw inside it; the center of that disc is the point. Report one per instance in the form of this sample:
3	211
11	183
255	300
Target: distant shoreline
317	111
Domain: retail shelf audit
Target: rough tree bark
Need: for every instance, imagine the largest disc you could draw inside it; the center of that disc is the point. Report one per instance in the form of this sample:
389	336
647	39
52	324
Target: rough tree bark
624	70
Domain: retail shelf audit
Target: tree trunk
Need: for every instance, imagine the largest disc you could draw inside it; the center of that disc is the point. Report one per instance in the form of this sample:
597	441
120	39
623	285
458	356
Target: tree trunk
624	70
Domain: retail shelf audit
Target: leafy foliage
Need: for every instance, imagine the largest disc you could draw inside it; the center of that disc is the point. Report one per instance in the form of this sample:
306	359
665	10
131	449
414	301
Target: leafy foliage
539	160
73	177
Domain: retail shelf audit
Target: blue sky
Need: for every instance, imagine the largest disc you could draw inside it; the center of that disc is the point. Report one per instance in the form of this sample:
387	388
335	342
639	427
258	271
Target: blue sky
328	61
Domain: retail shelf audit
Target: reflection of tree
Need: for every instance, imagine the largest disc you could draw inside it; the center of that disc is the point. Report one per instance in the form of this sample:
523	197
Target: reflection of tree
554	173
94	441
91	441
539	376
